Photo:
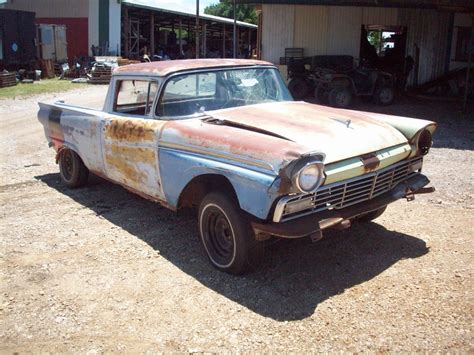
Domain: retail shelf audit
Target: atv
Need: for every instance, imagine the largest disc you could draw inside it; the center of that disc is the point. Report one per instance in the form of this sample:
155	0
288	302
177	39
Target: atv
339	89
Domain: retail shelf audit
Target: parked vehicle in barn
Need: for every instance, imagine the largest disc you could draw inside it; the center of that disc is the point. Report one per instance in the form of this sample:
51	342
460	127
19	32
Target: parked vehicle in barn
334	82
339	89
224	136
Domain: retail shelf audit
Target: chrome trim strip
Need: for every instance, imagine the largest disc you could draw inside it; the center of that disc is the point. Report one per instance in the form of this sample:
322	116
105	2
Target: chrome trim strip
349	192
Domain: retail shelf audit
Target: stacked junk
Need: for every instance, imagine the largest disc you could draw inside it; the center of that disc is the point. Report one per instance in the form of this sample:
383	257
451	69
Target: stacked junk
30	52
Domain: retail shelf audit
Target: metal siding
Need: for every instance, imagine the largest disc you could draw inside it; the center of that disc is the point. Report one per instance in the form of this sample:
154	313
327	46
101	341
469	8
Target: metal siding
344	30
52	8
114	27
278	28
336	30
429	30
311	29
379	16
93	26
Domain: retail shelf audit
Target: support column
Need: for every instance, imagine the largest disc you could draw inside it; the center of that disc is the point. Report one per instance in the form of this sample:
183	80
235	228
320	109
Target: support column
250	43
197	28
235	31
152	35
223	41
204	40
127	32
180	33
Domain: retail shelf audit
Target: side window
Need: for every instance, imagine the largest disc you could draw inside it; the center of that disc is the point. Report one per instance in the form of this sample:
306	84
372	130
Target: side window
135	97
186	94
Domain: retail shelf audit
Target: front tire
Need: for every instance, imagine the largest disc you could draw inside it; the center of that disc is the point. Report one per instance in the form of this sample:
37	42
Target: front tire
340	97
72	170
227	235
299	88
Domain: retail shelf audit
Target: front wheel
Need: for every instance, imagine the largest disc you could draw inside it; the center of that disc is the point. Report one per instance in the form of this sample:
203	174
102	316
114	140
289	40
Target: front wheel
299	88
340	97
227	235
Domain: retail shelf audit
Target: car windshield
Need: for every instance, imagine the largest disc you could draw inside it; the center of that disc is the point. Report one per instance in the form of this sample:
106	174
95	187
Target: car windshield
193	94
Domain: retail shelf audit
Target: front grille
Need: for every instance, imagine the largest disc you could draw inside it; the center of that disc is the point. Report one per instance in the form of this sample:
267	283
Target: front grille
348	192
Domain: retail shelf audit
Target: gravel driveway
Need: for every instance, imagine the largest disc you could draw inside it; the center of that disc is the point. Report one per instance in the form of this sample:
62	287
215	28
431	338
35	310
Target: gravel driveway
100	269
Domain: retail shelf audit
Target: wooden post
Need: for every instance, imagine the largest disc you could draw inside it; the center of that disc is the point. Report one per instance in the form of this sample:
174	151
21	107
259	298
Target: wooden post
180	35
127	33
152	35
469	62
204	40
197	28
223	41
250	43
235	30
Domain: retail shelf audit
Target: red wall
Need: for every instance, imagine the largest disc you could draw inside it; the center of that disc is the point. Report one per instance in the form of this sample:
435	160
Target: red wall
77	30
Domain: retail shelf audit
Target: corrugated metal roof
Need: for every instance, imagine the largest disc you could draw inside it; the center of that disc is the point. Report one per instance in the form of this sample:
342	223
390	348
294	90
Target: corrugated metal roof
149	6
458	5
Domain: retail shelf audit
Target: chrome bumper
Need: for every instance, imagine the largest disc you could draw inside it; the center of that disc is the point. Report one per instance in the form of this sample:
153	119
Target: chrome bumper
315	222
346	193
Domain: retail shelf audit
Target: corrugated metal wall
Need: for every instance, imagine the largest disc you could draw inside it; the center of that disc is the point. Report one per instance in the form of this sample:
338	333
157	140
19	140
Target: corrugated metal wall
278	29
318	29
336	30
311	26
428	30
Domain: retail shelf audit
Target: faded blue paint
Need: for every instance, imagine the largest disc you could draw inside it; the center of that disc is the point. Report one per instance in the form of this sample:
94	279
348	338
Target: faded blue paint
255	190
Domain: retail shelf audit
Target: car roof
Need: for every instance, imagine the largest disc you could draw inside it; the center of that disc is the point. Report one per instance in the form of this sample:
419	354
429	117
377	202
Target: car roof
163	68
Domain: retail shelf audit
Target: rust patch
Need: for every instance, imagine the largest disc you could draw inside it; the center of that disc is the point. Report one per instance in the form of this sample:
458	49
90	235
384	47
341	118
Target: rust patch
370	161
130	172
132	130
136	154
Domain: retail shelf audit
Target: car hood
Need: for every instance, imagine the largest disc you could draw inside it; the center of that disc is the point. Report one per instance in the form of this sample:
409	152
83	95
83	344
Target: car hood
339	134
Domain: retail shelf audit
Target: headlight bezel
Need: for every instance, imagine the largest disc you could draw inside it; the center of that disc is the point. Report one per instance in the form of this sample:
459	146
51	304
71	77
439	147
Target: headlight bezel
424	142
301	166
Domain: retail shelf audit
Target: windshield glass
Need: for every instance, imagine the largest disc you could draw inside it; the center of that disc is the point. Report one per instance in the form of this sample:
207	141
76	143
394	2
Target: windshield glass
191	94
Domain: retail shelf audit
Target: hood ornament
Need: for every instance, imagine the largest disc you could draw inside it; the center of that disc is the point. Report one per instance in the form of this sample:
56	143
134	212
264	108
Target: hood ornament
348	123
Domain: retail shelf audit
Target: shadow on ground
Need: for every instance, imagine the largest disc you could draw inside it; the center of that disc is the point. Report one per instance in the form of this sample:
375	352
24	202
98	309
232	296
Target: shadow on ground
295	276
455	128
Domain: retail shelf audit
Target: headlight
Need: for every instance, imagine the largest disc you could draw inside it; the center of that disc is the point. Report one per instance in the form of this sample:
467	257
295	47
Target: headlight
425	141
309	177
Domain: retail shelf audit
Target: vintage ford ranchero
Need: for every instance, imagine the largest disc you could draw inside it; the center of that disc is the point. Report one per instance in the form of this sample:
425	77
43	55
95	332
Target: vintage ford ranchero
225	136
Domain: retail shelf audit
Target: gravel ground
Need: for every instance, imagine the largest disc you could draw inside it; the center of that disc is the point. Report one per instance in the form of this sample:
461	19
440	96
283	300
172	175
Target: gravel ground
99	269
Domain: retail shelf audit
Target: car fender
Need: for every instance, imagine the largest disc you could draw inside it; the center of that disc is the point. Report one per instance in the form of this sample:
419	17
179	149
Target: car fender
256	190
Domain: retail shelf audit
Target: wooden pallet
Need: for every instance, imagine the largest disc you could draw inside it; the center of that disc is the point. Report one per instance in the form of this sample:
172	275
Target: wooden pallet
100	75
7	79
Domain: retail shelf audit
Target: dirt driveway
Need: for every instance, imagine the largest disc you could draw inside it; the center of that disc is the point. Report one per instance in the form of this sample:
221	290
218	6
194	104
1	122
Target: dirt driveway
99	269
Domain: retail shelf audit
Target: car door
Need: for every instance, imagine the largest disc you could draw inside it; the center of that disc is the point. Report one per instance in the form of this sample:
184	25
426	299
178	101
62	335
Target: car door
130	137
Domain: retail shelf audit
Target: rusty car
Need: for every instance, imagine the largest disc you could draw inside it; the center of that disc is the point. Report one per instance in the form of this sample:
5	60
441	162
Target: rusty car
224	137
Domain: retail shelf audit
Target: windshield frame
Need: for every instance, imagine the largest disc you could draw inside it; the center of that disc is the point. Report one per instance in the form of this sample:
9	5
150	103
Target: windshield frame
203	71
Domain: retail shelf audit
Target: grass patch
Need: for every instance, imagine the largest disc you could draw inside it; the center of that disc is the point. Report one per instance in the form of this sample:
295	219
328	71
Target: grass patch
38	87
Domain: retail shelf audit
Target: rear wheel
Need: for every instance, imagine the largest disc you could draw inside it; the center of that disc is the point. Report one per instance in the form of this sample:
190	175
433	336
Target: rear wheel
384	95
299	88
370	216
72	170
340	97
227	235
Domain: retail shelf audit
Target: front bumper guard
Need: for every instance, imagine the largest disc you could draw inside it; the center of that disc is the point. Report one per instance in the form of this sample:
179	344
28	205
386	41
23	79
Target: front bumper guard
319	221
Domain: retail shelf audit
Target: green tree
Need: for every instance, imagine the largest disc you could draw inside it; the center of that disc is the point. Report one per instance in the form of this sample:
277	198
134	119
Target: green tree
245	13
374	38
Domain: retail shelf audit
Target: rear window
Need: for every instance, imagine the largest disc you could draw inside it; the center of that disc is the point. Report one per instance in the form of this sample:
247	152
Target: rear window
135	97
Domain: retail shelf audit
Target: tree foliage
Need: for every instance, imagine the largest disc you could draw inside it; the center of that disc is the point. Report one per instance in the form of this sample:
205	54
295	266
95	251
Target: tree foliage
245	13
